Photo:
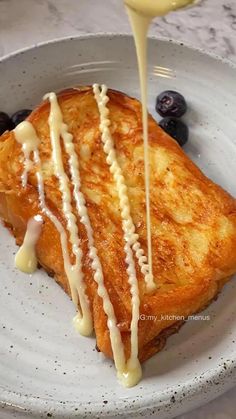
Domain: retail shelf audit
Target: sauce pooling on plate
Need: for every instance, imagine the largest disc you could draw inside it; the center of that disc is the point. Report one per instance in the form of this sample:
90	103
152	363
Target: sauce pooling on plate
129	371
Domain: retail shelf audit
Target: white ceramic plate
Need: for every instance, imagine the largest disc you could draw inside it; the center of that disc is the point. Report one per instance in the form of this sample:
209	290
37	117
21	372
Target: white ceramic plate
46	367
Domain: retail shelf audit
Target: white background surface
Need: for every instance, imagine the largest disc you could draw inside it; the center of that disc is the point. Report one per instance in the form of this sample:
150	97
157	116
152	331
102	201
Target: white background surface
211	25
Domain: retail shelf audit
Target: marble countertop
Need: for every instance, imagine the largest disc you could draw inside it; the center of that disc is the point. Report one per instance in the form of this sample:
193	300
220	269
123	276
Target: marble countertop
211	25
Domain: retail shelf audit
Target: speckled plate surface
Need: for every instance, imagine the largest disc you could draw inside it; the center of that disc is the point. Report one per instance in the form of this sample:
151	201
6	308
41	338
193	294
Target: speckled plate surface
46	368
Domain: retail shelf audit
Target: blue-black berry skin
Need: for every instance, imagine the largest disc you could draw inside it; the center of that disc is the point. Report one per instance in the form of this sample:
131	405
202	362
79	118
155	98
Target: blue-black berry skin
171	103
5	123
176	128
20	116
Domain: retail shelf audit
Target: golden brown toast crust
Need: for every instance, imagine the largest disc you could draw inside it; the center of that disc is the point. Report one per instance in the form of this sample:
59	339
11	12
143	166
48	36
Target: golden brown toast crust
193	220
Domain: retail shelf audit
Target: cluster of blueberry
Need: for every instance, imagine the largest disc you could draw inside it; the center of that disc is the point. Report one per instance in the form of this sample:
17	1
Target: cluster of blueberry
9	123
171	106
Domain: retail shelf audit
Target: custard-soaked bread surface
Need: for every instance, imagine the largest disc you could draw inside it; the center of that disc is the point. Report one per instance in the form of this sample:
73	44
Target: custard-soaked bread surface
193	220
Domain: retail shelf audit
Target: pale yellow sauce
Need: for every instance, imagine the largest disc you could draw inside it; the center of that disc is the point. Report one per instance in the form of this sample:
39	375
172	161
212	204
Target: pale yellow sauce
26	134
131	372
26	259
58	129
140	27
140	14
29	142
154	8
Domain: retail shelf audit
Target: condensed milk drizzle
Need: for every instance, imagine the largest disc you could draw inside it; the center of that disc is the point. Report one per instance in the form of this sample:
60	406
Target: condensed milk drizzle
140	13
116	341
57	128
26	259
25	132
129	373
23	136
128	225
134	372
84	323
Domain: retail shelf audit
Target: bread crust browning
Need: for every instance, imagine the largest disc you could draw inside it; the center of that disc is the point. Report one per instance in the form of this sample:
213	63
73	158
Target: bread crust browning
193	220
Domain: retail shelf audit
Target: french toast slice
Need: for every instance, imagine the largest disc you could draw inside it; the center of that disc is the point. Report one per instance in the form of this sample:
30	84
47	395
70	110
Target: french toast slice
193	220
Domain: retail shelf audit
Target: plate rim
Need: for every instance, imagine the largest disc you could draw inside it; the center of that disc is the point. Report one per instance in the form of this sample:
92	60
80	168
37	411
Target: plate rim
163	39
121	409
20	402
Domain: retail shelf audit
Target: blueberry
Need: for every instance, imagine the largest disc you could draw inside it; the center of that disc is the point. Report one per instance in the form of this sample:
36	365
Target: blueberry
5	123
20	116
176	129
171	103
